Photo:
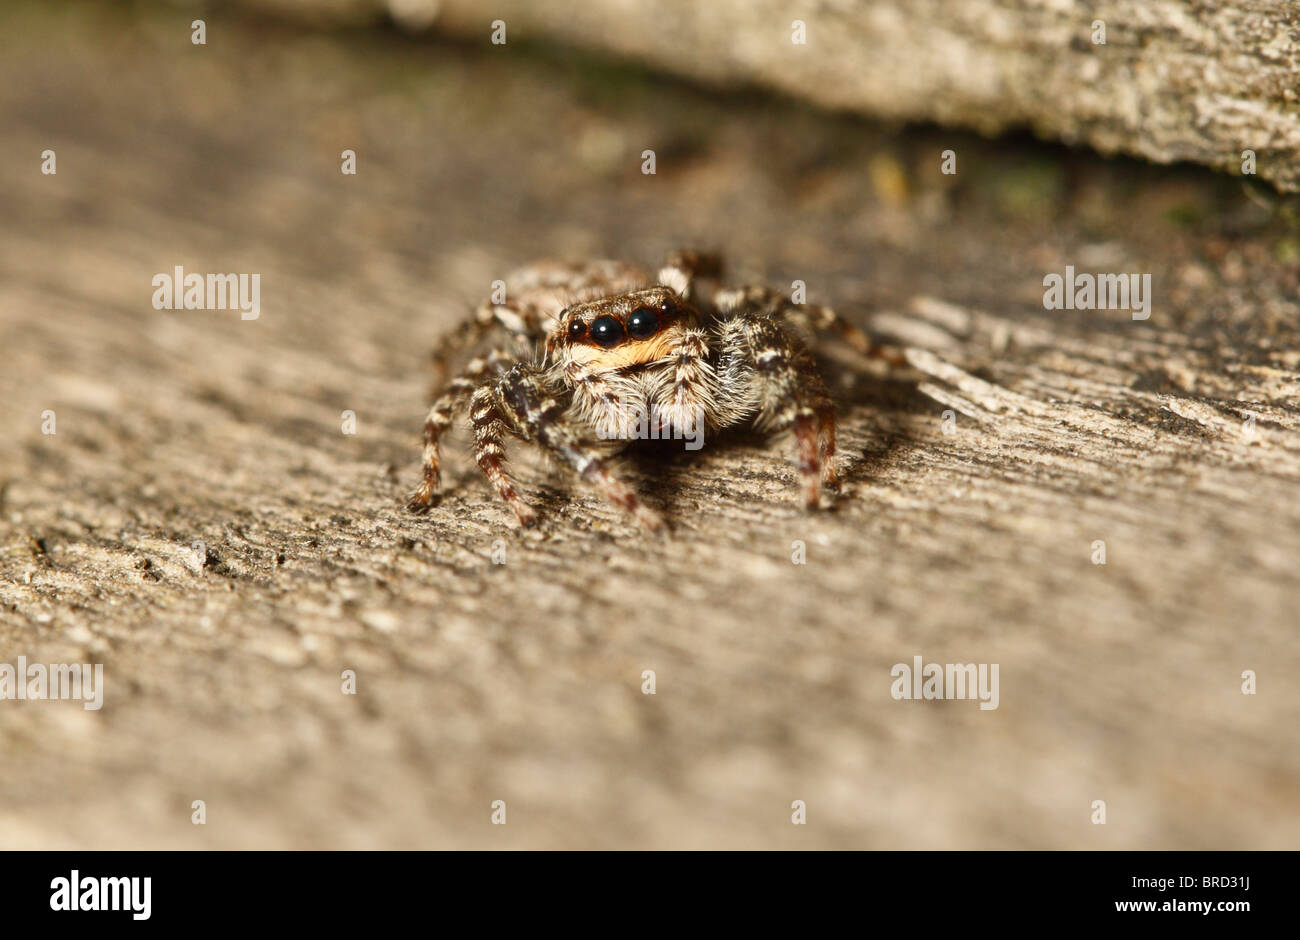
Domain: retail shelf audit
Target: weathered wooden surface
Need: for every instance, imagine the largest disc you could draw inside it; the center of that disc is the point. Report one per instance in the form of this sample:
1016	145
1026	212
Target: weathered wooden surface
1198	80
522	681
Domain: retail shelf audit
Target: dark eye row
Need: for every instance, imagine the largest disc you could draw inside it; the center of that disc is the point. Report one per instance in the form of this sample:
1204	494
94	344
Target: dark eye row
607	331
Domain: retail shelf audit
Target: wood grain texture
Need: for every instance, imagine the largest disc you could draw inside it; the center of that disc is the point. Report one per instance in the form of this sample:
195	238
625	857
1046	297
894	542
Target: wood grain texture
522	682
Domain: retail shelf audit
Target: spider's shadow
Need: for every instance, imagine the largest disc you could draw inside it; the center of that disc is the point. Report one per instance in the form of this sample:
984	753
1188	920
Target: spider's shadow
885	407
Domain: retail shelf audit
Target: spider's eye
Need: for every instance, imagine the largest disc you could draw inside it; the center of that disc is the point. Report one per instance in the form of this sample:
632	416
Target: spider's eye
576	329
667	307
607	331
642	323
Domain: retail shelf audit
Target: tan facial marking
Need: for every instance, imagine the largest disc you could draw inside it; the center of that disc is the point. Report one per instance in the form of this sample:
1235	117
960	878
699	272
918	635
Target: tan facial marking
630	352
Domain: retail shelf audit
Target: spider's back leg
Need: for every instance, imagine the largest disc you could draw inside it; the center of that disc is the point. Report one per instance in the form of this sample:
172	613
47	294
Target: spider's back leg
785	392
812	319
681	269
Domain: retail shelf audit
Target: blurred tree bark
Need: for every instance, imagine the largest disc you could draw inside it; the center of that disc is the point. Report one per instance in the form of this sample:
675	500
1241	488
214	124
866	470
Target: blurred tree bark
1167	80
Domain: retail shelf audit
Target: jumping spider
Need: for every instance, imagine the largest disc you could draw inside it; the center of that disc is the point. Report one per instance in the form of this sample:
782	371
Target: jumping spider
583	352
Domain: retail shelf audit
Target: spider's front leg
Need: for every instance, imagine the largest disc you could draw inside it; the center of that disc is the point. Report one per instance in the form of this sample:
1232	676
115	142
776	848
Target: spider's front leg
439	419
786	392
491	425
522	397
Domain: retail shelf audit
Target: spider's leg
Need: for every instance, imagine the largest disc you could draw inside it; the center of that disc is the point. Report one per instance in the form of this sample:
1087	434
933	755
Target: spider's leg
825	320
811	318
826	452
788	394
506	322
440	417
540	416
490	428
681	269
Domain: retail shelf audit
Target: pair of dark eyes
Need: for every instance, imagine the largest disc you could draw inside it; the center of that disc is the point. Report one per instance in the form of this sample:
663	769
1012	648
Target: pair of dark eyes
607	331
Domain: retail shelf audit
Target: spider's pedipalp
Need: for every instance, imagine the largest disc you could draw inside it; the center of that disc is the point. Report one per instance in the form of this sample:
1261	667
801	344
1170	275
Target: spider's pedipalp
596	400
689	396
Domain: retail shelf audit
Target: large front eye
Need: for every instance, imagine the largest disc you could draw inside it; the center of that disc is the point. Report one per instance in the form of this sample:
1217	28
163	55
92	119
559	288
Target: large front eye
576	329
607	331
642	323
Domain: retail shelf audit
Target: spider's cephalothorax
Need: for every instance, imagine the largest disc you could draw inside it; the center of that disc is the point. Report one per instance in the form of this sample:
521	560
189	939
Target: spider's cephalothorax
581	358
